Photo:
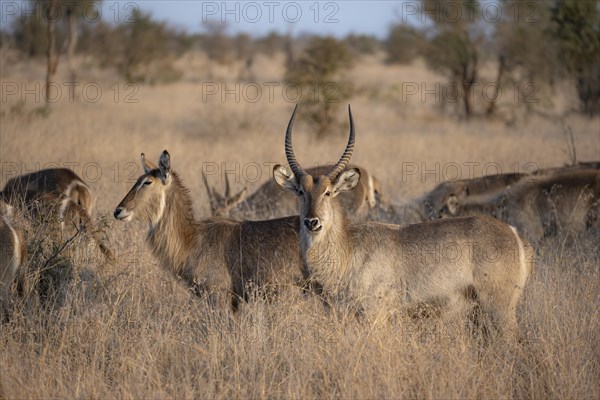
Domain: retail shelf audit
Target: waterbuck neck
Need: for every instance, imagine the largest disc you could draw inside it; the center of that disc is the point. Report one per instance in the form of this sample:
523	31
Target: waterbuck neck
328	255
172	235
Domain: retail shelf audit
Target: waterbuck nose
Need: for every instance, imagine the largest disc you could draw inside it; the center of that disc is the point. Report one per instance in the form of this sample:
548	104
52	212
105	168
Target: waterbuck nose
117	212
313	224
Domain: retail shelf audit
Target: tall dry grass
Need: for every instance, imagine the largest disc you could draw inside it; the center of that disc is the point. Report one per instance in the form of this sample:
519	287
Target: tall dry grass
132	331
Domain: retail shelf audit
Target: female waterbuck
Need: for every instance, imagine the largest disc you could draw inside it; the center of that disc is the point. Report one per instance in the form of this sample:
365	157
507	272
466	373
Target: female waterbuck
378	266
48	188
541	206
58	193
12	254
219	258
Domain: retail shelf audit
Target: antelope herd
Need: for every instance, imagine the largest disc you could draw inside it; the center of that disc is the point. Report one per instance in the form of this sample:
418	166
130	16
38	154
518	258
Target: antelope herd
470	246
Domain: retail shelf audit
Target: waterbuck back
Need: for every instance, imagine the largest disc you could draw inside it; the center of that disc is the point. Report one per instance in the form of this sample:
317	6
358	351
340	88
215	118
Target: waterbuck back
56	194
579	166
57	190
434	201
541	206
479	193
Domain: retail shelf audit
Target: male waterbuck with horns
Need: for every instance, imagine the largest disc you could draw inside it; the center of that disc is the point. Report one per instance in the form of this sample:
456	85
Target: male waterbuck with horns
219	258
377	267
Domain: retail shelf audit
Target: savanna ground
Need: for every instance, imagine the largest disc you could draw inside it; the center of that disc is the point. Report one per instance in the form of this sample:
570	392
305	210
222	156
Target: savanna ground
131	330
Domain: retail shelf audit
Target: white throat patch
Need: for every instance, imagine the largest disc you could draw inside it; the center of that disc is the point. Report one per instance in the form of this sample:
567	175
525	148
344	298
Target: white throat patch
161	209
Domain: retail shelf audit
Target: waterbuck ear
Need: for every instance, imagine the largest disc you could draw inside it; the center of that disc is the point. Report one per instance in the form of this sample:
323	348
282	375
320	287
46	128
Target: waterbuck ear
452	204
347	180
285	178
147	165
164	164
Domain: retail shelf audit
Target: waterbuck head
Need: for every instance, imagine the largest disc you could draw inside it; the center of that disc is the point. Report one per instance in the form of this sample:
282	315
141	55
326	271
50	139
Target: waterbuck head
318	206
146	201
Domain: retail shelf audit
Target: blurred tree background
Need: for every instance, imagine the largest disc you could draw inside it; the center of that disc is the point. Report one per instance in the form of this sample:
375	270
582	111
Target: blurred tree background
542	42
319	74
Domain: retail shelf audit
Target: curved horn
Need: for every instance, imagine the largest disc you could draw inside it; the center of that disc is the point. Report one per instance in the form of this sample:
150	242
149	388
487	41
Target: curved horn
211	198
341	164
227	188
289	152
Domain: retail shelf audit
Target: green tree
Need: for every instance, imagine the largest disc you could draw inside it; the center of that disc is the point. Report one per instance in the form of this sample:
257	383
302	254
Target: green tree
455	45
362	44
52	28
216	42
144	41
523	41
52	57
403	44
271	43
527	55
140	49
319	75
72	12
30	35
30	30
577	30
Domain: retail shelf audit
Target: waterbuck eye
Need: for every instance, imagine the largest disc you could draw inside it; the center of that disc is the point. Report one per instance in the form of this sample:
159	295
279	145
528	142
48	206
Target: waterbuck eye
148	183
300	192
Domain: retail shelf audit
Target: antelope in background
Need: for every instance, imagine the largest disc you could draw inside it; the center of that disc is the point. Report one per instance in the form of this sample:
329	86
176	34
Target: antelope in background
219	258
429	206
221	205
475	192
12	254
379	266
578	166
57	192
269	201
485	187
435	200
47	188
540	207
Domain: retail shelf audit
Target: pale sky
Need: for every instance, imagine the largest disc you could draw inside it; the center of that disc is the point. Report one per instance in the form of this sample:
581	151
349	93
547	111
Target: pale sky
260	17
257	18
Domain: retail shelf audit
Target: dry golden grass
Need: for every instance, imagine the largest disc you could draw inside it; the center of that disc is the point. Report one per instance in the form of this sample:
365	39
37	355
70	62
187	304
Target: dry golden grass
132	331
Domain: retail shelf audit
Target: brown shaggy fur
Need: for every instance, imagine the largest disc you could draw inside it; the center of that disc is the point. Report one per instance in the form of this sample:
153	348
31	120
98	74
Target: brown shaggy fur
217	257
